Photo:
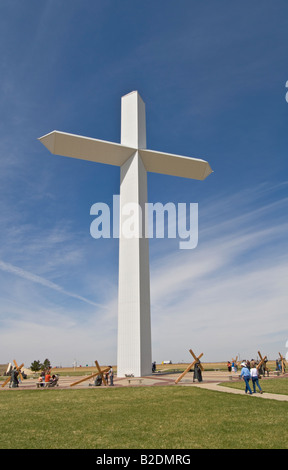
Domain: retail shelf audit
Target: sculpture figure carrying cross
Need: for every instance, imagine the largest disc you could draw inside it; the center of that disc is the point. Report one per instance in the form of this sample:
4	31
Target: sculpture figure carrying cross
134	325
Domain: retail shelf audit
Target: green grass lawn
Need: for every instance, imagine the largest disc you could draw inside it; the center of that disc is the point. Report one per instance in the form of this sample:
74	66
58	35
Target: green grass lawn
140	418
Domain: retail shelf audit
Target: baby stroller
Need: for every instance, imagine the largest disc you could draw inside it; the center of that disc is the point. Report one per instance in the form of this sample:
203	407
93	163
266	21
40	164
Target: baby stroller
54	381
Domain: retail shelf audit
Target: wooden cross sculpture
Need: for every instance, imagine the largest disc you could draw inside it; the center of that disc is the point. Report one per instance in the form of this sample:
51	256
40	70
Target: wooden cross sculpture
196	359
18	368
262	361
282	360
236	362
100	372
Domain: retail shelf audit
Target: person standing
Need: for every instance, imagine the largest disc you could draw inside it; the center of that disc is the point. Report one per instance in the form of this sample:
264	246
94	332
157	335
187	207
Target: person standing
111	375
14	378
197	372
255	378
265	367
245	374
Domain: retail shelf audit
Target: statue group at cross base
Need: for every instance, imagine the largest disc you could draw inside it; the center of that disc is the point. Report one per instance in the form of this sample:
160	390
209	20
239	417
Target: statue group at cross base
14	381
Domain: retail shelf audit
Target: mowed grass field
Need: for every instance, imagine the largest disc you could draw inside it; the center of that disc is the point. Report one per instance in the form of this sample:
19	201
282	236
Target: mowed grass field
165	417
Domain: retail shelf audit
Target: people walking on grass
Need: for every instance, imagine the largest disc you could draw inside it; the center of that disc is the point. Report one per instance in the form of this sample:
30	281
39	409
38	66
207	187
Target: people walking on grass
255	378
245	374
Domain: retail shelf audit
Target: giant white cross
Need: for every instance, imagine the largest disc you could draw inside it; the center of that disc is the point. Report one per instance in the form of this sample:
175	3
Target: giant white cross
134	324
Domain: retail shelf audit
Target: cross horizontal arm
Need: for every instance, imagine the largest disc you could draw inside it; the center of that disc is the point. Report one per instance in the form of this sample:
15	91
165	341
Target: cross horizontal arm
261	362
101	151
197	359
85	378
85	148
185	371
175	165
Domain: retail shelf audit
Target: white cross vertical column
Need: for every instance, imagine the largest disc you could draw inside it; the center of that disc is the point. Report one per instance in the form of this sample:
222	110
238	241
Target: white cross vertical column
134	324
134	329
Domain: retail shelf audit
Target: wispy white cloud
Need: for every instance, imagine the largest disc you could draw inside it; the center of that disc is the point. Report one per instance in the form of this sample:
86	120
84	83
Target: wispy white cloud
227	296
230	293
9	268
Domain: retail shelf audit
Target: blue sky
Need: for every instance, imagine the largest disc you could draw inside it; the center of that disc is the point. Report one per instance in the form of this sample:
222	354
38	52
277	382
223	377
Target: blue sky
213	80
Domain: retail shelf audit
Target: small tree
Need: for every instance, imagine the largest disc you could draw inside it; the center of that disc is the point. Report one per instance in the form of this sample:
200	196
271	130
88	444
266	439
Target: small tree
36	366
46	364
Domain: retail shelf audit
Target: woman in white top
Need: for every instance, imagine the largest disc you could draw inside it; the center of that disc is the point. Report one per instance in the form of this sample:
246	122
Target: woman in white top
255	378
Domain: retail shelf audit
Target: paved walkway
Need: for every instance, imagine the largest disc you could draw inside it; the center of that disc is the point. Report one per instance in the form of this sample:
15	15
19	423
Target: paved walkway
211	381
218	388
